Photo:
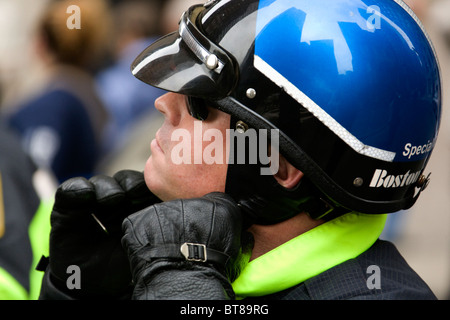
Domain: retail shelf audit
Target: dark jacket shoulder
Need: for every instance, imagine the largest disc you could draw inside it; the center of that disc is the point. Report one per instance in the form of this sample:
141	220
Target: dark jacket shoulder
380	273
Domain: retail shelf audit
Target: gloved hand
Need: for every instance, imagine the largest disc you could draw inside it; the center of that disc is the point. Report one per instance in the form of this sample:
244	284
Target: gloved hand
184	249
86	231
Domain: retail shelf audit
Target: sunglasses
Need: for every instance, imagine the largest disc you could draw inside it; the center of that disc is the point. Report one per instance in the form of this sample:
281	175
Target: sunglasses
197	108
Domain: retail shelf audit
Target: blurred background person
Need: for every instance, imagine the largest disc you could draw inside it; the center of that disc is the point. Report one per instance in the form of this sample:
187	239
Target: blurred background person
25	207
135	26
131	150
19	73
26	199
61	125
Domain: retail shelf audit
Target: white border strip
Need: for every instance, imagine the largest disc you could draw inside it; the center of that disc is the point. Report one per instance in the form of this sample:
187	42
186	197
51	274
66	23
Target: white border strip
320	114
402	4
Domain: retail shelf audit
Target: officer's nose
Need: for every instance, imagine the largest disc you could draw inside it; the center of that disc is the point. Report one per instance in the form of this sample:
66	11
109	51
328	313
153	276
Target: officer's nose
172	106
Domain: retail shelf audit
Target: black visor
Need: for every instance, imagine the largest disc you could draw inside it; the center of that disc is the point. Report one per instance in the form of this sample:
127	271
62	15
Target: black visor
187	62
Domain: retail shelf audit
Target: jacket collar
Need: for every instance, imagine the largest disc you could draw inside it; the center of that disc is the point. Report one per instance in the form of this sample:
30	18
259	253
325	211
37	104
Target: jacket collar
309	254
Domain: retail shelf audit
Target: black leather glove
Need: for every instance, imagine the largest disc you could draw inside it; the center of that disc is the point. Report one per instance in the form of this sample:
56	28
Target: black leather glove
184	249
86	231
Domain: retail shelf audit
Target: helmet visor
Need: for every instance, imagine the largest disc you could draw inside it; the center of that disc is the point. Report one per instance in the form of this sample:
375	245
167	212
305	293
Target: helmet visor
187	62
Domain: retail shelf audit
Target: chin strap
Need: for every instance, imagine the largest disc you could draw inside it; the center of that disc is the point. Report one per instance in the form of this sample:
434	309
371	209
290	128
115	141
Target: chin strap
319	208
264	201
278	204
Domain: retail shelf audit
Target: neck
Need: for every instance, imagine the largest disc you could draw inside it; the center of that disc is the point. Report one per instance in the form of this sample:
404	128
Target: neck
268	237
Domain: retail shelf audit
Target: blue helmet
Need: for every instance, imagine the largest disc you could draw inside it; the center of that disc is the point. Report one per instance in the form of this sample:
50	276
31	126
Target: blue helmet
353	86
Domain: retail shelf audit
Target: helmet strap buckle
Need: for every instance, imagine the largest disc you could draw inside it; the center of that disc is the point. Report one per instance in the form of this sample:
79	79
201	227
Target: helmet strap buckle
320	208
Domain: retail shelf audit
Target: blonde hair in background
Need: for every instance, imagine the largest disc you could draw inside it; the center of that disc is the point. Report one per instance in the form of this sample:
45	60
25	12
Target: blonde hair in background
77	46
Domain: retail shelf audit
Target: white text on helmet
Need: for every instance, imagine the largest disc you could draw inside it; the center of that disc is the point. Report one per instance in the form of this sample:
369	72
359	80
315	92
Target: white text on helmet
382	179
411	150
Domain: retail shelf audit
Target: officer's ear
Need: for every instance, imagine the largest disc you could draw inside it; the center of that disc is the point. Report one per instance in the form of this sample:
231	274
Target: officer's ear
287	175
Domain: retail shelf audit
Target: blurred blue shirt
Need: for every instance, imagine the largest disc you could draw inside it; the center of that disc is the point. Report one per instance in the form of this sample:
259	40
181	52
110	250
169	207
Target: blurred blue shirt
125	97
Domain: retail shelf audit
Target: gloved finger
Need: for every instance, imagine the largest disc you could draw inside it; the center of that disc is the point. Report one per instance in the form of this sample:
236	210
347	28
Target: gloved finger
74	195
111	203
133	184
107	191
75	200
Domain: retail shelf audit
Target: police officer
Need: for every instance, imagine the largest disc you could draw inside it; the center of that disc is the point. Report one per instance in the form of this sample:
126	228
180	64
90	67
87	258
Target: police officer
351	92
